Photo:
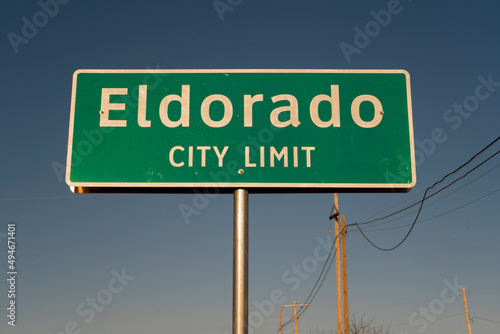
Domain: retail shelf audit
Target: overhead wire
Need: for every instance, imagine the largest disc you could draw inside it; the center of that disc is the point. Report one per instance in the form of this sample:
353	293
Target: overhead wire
438	200
425	197
446	242
409	199
438	191
436	216
498	322
319	282
329	261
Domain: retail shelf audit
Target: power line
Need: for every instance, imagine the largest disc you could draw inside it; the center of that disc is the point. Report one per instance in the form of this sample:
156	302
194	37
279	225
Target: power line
438	215
409	199
313	293
449	241
425	196
417	195
438	200
435	193
472	318
329	260
318	284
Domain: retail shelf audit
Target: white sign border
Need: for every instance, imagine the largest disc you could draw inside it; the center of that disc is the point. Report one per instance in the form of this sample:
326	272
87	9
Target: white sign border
233	185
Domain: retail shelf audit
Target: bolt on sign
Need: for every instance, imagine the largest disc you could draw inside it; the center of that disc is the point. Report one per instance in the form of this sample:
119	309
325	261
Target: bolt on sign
263	130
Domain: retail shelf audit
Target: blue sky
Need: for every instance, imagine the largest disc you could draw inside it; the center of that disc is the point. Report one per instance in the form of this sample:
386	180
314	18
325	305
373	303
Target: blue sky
73	247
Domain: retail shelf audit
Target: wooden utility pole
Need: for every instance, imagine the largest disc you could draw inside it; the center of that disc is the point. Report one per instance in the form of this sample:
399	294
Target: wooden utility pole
337	251
466	311
294	315
344	276
341	267
281	320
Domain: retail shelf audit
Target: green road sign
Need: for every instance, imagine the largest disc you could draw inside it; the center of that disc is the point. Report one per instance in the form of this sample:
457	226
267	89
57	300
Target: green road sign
266	130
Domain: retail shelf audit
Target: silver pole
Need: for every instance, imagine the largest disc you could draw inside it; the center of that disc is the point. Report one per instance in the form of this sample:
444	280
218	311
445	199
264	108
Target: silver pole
240	262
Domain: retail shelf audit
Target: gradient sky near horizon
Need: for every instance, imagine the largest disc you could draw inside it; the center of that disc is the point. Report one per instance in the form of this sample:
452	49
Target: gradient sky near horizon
71	246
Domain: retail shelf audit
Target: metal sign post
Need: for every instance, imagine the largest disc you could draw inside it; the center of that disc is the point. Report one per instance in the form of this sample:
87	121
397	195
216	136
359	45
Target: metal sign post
240	262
